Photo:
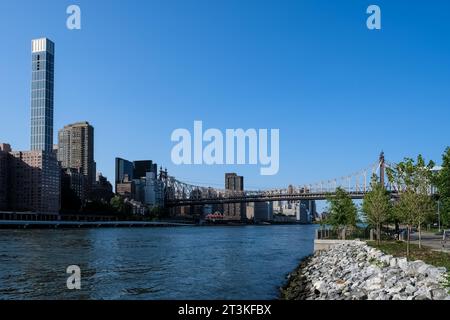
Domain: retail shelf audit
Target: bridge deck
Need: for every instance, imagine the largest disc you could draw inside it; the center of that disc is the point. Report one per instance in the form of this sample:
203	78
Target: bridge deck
261	198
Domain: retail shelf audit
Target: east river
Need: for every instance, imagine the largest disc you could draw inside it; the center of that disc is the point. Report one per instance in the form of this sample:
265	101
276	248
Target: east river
243	262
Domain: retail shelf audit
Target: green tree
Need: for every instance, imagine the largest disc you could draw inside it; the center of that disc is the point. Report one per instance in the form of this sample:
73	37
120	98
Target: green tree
118	204
425	212
156	213
411	175
412	180
377	206
443	186
342	211
414	209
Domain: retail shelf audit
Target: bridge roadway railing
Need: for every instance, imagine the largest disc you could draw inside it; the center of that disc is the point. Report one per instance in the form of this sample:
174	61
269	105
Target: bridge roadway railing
251	197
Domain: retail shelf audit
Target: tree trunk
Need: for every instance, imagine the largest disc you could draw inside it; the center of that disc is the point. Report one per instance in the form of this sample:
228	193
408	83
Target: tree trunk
408	239
420	236
378	234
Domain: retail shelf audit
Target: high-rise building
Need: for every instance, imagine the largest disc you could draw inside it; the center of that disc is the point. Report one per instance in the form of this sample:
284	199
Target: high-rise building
35	182
234	184
306	211
76	149
43	56
124	170
101	190
142	167
73	182
154	190
263	211
126	188
33	177
4	175
139	181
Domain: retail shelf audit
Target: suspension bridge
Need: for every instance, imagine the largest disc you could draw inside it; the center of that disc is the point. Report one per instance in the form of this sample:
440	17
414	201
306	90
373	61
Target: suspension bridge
357	184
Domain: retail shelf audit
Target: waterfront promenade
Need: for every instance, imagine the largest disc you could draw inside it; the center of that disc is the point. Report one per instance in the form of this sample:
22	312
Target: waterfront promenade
432	241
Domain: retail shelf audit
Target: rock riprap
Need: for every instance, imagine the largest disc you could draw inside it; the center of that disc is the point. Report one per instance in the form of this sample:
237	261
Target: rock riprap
356	271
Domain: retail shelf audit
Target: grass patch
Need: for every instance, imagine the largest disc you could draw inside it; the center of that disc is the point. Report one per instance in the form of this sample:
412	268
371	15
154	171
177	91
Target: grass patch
398	249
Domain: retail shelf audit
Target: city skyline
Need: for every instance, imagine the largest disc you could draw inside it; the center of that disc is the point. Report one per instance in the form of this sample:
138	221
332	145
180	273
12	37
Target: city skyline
199	152
309	135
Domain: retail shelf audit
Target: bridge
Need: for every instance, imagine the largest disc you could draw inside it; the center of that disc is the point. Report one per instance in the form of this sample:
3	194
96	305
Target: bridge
178	194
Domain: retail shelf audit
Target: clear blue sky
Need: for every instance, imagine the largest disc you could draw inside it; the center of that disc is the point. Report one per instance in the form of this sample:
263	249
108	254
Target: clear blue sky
338	92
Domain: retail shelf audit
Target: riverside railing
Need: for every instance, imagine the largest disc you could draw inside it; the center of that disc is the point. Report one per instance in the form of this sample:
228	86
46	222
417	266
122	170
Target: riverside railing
344	234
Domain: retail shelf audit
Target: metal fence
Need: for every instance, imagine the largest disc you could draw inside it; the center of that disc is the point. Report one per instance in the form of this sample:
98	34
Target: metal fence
346	234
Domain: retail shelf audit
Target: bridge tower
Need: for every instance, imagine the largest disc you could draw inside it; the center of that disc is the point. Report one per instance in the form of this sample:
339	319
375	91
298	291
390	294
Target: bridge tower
382	168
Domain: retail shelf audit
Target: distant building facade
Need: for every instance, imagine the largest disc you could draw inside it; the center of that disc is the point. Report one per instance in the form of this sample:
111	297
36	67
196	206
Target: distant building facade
34	182
101	190
234	184
124	171
134	170
76	150
154	190
263	211
74	180
306	211
139	181
126	188
4	175
142	167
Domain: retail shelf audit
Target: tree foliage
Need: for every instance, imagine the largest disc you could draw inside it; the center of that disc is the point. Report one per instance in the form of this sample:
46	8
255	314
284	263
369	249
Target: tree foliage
412	175
342	211
443	186
413	180
376	206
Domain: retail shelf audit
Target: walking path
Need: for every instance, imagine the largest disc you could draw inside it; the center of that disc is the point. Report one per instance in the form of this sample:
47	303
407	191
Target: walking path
432	241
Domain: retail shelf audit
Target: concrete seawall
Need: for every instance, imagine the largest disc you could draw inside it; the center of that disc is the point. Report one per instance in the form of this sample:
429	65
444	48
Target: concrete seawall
322	245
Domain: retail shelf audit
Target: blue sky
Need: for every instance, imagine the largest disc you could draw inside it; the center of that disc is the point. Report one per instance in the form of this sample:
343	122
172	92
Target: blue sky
338	92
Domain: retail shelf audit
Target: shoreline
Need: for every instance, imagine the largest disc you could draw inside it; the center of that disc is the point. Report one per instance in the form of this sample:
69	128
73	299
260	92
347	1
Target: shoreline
55	224
356	271
67	224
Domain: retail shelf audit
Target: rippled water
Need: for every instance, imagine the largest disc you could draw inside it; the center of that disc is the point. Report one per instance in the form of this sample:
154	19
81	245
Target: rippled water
248	262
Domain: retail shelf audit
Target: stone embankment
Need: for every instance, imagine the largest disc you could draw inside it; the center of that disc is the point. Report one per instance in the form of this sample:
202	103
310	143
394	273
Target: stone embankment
356	271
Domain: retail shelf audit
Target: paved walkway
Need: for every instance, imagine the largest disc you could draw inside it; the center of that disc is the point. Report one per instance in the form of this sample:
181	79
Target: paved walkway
432	241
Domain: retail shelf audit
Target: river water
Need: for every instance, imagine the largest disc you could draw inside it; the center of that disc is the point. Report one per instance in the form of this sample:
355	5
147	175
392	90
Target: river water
246	262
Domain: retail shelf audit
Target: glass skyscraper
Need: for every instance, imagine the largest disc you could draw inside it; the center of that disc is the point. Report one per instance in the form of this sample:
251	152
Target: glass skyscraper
43	53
